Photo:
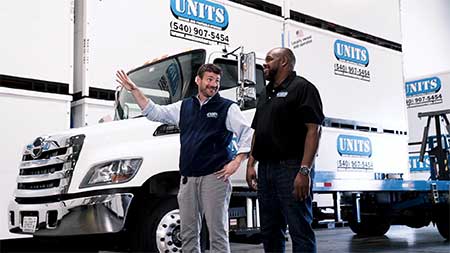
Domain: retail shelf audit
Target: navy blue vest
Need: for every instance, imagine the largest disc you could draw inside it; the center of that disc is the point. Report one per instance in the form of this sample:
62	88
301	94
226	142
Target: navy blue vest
204	137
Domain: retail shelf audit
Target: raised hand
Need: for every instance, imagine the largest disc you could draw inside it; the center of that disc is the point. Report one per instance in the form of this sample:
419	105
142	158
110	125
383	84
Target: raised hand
125	81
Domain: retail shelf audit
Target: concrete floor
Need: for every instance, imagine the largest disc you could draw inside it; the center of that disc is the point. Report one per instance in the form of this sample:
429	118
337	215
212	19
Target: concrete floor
398	239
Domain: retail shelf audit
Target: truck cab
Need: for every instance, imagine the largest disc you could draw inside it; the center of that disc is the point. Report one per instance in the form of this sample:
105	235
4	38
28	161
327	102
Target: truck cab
122	176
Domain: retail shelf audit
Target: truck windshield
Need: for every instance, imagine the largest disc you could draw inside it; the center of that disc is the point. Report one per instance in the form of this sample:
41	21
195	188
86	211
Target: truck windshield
164	82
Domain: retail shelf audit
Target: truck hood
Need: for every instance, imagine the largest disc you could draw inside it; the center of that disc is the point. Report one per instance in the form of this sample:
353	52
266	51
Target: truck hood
124	139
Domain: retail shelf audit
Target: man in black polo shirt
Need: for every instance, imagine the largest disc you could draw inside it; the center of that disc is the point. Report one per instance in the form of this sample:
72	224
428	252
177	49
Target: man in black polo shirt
287	127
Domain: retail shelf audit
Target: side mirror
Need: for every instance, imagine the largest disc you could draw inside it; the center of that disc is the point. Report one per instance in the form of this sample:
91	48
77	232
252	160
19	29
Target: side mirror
248	68
246	97
246	93
118	112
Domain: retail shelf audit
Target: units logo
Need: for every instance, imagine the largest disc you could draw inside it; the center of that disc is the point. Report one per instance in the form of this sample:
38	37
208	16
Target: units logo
351	52
354	145
355	153
415	165
423	92
201	11
200	21
353	60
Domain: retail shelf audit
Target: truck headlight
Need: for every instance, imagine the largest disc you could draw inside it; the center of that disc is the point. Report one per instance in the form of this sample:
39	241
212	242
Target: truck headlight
112	172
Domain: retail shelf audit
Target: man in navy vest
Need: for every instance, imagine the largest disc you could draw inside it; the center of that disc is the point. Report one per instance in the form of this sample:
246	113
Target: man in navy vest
207	123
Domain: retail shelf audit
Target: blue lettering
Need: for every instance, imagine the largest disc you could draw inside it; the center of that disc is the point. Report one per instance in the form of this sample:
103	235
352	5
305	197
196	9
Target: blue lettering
422	86
416	166
202	11
351	52
354	145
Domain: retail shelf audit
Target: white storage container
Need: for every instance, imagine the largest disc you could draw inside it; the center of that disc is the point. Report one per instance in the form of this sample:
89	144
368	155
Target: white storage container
88	111
37	40
425	94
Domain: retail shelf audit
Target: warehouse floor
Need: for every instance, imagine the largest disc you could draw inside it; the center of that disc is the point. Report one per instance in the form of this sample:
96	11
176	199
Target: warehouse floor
398	239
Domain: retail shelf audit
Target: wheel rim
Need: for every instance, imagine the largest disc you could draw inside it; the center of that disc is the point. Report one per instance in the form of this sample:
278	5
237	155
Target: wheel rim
168	233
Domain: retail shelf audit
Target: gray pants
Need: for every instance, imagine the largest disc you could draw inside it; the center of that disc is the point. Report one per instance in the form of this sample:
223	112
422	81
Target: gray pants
210	197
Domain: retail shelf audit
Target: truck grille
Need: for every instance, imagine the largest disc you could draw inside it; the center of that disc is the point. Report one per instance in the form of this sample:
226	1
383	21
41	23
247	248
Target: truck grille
46	154
41	170
39	185
47	166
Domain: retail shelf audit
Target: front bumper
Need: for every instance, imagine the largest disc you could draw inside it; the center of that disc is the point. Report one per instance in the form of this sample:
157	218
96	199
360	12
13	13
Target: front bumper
79	216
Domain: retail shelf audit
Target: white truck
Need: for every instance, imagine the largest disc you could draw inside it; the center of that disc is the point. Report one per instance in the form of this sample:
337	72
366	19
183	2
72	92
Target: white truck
121	178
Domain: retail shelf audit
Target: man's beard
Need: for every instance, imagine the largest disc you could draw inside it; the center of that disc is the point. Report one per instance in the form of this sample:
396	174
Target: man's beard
271	75
206	92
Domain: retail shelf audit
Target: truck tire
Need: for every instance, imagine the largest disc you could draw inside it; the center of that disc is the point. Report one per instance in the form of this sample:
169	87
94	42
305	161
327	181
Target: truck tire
369	225
157	229
442	222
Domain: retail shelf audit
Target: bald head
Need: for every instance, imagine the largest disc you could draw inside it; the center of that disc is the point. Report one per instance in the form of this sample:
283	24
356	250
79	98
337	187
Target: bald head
286	53
279	64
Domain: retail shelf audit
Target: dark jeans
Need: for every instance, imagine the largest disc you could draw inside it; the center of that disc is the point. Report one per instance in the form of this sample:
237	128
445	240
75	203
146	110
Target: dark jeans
278	208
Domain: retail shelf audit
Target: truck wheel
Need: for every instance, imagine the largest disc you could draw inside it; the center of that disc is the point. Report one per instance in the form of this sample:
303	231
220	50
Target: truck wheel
369	226
442	222
168	231
157	229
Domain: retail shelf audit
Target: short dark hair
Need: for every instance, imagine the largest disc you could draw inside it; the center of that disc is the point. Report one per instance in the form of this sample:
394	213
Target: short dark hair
209	68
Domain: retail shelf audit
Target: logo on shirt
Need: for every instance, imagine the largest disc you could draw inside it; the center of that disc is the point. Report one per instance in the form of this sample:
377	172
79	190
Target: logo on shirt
282	94
212	115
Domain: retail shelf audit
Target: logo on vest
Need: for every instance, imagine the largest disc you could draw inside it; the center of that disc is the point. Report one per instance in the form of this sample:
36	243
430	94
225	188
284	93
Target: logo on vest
212	115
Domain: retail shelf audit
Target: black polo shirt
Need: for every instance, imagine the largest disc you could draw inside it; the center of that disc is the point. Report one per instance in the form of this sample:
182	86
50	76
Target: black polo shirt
280	119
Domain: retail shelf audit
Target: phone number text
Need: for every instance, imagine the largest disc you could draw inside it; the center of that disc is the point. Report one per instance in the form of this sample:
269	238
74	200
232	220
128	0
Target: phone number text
424	100
355	164
199	34
351	71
